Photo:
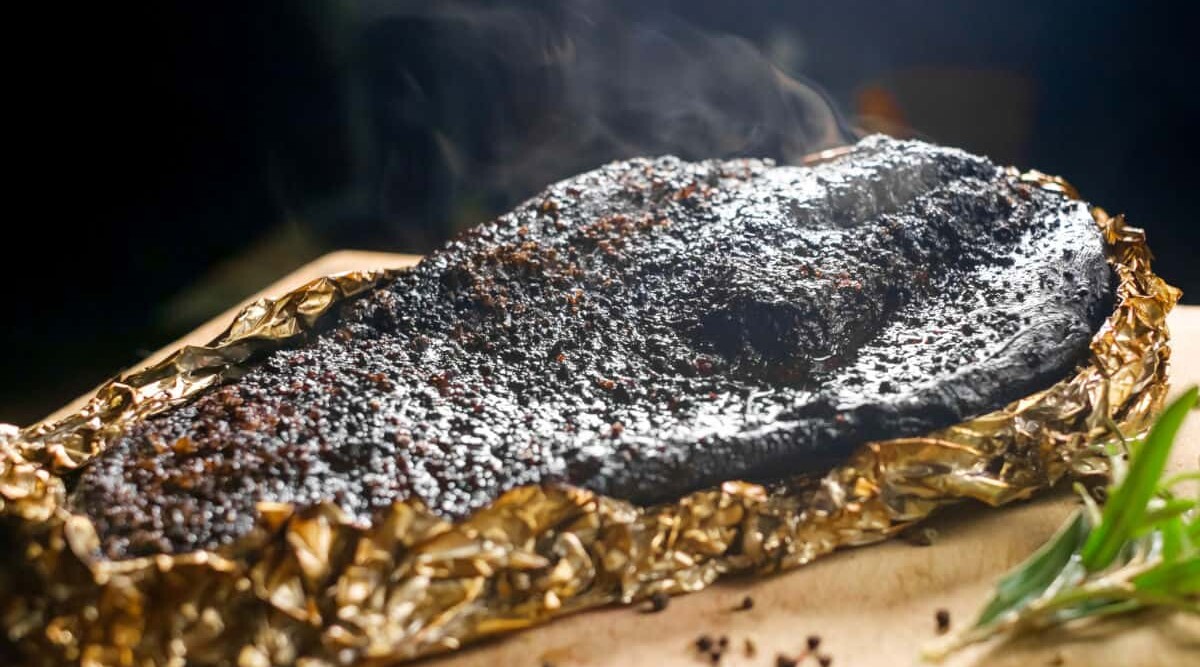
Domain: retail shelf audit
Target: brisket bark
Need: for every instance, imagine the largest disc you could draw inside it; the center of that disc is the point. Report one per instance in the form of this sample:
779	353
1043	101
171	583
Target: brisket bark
643	330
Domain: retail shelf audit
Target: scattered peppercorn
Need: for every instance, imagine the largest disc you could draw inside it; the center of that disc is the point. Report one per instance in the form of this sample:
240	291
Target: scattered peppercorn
824	660
943	620
813	642
704	643
747	603
751	649
715	657
723	642
782	660
659	602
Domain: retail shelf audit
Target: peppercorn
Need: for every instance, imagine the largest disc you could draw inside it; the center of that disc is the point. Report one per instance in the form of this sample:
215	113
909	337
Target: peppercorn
943	620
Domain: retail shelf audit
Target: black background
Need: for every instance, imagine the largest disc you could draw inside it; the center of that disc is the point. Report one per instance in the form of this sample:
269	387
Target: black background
155	143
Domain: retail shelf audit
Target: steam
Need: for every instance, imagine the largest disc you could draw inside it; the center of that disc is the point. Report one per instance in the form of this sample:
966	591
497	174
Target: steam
510	99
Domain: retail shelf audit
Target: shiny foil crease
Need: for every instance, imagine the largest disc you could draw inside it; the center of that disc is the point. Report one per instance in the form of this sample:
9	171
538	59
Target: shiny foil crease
309	587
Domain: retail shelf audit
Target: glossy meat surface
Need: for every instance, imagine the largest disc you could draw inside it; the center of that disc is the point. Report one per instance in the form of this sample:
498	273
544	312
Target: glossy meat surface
642	330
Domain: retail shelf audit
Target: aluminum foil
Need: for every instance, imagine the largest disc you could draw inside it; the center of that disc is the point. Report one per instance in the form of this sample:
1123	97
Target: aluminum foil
308	587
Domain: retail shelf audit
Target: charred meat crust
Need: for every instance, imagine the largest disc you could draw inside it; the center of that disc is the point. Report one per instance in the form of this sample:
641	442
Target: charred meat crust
642	330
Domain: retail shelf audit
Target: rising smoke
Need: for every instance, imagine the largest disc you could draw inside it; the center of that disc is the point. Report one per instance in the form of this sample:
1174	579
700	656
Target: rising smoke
477	106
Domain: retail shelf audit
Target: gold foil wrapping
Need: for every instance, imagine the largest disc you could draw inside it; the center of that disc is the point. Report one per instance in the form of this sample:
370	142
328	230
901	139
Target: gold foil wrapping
308	587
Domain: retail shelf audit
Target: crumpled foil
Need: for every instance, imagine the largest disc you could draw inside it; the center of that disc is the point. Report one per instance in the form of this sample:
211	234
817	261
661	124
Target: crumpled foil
308	587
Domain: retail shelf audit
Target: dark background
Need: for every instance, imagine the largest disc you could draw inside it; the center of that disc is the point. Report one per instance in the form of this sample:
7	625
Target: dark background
180	158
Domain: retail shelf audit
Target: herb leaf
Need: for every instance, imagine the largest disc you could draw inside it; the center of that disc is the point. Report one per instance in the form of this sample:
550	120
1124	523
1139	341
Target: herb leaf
1170	509
1127	504
1035	575
1180	577
1175	541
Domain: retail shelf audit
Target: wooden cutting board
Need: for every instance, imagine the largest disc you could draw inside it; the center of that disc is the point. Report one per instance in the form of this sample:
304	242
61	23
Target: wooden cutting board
872	606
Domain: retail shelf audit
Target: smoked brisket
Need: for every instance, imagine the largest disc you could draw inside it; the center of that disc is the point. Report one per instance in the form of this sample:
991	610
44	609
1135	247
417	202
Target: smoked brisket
642	330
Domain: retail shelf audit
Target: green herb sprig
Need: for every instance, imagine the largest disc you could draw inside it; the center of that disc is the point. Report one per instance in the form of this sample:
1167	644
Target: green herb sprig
1141	550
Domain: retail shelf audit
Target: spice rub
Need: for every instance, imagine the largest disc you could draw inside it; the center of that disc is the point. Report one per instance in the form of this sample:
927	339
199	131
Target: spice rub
642	330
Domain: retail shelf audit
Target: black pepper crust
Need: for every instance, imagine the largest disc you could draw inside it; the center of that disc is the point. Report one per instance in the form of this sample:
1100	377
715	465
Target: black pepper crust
642	330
